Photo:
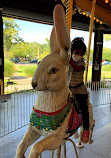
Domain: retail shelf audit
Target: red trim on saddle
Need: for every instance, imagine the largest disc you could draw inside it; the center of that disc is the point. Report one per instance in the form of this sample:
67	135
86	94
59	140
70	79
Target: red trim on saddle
50	113
75	120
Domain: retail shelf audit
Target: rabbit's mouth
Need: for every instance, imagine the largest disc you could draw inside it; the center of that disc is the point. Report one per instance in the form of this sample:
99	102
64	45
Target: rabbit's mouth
34	85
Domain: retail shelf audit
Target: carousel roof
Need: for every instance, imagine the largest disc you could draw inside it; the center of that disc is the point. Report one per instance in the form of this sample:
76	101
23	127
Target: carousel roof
42	11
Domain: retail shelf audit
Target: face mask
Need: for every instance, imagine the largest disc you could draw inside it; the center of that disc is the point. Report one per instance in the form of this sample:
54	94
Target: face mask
77	57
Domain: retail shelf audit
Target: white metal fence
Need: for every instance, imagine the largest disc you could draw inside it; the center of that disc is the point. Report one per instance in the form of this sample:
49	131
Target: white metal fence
23	84
100	92
15	108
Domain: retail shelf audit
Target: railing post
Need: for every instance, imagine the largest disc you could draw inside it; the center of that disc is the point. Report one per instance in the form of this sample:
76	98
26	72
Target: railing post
1	54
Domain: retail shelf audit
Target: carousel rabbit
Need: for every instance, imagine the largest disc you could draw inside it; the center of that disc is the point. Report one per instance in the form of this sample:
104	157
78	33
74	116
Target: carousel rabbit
51	113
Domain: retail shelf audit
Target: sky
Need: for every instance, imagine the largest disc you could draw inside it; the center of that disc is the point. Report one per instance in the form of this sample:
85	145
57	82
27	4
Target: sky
36	32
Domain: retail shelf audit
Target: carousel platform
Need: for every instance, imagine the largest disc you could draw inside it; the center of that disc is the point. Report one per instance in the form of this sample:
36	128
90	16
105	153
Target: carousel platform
100	148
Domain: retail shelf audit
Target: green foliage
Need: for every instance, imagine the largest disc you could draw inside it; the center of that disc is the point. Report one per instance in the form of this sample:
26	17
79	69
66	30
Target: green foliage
9	68
20	50
107	37
10	33
105	72
91	55
28	51
106	56
34	50
15	47
30	70
106	68
45	49
89	73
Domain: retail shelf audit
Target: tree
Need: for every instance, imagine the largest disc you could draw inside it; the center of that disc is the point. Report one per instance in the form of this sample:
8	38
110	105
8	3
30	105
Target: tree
106	54
34	50
20	50
45	49
107	37
10	33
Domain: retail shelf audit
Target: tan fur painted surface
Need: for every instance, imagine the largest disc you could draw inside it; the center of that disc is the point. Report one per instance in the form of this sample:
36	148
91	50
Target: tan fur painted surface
51	80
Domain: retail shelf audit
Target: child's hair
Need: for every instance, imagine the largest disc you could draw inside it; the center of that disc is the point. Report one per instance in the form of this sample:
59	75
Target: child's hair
78	43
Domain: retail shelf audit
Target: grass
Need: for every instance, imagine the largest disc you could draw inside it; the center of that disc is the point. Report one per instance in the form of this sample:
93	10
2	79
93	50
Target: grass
23	70
89	73
28	71
105	72
106	68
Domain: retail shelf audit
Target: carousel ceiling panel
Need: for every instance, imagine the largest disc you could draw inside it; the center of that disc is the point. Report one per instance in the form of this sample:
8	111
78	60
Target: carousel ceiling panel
42	11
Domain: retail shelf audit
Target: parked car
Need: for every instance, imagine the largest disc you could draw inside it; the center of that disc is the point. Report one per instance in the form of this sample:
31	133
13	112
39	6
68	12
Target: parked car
105	63
15	60
34	61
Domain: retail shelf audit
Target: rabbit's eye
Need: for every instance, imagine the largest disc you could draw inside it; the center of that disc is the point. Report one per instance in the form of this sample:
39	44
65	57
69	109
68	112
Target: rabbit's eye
53	70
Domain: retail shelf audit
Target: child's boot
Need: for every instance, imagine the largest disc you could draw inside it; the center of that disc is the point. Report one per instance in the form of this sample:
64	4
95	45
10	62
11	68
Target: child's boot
85	136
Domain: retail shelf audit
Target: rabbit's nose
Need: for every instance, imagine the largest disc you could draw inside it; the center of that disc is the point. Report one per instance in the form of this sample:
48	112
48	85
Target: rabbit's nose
34	84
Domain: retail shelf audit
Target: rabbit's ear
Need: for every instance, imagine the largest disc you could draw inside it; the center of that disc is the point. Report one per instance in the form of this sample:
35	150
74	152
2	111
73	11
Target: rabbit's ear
53	42
61	30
